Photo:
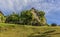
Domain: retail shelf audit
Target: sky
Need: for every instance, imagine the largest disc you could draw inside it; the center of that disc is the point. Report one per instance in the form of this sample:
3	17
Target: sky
51	8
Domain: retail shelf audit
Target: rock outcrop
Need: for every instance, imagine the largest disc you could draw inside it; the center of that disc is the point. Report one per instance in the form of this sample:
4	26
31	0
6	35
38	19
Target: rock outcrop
40	20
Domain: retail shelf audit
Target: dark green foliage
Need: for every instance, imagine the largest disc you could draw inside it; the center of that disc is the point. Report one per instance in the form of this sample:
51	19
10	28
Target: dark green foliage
53	24
27	18
13	18
41	13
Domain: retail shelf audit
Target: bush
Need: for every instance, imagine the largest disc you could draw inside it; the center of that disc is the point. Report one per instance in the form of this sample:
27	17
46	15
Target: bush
13	18
53	24
26	17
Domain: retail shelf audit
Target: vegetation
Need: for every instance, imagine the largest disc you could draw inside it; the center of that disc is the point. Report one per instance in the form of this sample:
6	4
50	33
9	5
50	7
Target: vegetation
53	24
28	17
2	17
13	18
12	30
19	25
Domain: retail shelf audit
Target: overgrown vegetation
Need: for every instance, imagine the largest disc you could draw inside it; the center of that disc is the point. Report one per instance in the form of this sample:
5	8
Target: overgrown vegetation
2	17
19	25
53	24
13	18
28	17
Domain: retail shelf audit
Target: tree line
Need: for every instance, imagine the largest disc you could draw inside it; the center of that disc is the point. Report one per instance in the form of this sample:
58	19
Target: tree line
26	17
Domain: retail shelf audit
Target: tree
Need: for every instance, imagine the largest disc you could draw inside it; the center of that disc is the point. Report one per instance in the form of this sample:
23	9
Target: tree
2	18
53	24
29	19
41	13
26	17
13	18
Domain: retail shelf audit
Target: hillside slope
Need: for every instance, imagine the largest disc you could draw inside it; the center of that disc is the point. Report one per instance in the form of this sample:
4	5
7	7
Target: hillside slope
12	30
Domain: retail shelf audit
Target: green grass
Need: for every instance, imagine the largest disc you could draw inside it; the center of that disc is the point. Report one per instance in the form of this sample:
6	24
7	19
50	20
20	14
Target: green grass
12	30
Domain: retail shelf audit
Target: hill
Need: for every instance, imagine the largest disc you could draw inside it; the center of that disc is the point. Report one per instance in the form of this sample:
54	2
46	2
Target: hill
13	30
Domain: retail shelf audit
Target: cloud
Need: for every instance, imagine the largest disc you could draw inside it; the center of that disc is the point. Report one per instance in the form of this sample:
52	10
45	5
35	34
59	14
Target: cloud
17	5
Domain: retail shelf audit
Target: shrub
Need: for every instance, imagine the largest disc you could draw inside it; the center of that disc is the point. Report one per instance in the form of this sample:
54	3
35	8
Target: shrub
26	17
13	18
53	24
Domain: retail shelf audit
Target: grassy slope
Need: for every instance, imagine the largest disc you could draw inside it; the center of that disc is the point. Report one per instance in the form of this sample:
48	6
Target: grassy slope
11	30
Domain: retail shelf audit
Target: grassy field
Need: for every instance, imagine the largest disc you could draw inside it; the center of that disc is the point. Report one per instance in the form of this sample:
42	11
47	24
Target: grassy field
12	30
